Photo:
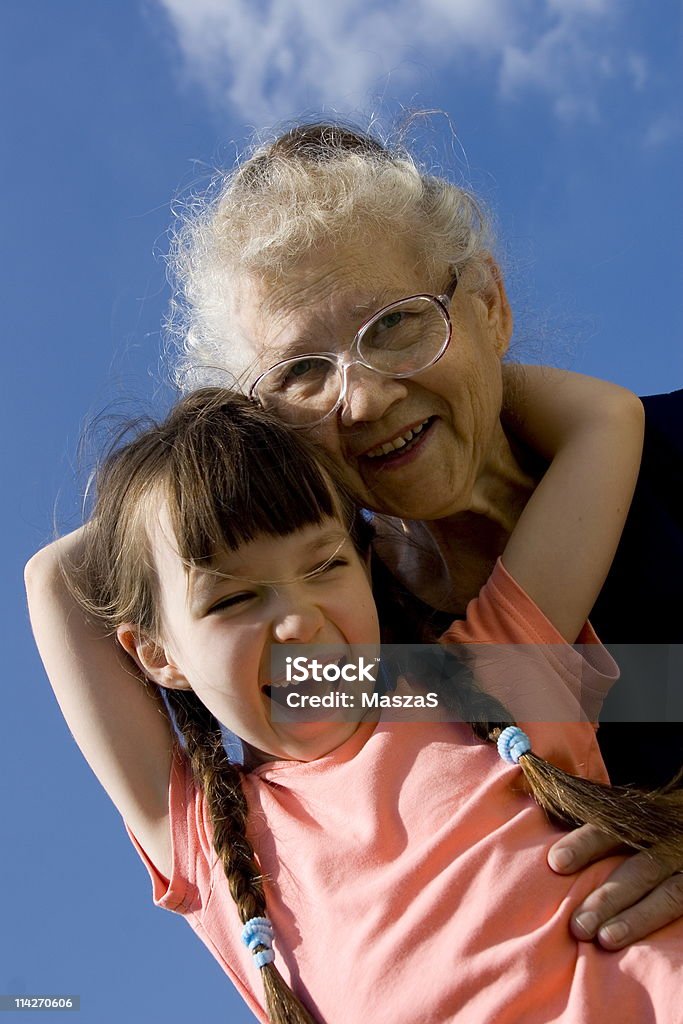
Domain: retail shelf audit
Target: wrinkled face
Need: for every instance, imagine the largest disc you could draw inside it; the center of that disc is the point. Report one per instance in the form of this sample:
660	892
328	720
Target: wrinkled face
412	447
218	632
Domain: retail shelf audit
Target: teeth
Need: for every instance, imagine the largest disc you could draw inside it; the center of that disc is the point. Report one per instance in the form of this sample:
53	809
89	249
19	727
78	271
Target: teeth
281	683
398	442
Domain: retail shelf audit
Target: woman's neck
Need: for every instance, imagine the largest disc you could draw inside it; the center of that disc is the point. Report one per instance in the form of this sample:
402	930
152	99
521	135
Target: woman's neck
497	500
445	562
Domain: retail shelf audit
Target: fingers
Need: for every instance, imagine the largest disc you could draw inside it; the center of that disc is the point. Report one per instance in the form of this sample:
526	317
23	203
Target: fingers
643	894
579	848
663	906
640	896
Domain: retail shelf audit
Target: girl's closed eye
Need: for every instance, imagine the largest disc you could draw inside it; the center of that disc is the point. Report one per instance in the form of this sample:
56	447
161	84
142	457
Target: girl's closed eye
232	601
334	563
243	597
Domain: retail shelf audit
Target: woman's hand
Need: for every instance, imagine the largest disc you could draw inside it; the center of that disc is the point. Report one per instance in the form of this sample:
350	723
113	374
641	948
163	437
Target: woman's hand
641	895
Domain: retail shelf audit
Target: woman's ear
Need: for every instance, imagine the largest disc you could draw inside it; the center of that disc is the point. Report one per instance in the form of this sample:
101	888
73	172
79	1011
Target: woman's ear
499	313
150	657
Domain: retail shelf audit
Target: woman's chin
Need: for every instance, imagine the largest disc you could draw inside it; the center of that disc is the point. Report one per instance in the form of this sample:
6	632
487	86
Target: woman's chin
422	482
427	492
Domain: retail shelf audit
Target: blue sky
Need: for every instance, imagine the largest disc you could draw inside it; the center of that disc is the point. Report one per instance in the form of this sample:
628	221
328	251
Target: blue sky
566	116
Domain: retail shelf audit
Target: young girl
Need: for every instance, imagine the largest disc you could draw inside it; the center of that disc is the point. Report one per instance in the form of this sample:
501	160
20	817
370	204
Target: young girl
399	867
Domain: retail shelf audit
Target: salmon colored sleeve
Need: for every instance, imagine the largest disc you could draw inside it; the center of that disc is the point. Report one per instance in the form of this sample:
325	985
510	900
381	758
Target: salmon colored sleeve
503	614
179	892
189	889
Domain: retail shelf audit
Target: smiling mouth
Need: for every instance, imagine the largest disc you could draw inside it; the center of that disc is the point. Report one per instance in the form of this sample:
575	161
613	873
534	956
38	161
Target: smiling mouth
278	694
400	445
279	691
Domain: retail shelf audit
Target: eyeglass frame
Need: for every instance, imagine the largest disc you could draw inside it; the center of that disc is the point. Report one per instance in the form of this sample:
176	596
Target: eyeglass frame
443	302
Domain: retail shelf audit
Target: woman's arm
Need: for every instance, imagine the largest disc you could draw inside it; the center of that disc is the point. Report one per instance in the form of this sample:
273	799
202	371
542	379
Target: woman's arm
592	434
117	720
574	519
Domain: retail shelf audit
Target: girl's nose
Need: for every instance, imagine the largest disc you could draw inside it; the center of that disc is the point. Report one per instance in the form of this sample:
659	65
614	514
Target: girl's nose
369	395
300	622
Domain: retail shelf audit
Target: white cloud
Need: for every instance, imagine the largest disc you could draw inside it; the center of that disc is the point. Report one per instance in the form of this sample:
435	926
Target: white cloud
570	8
568	60
661	130
267	59
638	69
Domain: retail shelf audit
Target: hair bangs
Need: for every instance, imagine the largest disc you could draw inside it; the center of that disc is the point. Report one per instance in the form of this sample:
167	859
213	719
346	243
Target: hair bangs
235	472
217	472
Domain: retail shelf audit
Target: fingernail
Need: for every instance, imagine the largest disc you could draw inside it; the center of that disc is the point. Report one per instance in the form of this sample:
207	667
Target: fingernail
615	932
588	923
562	858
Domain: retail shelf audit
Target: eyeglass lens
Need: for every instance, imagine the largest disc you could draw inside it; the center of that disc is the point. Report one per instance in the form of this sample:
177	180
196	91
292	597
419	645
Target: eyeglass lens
402	340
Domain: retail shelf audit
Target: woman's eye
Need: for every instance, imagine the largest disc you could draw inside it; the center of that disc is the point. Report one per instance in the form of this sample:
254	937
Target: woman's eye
389	321
305	372
304	377
299	369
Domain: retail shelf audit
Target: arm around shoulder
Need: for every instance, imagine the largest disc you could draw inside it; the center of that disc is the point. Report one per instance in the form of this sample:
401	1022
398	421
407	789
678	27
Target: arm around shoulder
563	545
115	716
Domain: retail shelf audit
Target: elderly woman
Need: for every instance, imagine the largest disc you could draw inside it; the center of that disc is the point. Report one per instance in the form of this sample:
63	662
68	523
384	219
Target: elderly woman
357	296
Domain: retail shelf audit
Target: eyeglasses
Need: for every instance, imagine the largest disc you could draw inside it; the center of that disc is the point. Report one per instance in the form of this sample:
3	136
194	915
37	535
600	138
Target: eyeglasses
399	340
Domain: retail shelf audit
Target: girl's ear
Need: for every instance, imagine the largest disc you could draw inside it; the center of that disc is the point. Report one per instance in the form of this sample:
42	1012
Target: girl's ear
151	657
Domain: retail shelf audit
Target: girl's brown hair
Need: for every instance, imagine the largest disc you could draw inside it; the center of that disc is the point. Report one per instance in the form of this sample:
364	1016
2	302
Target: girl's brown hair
227	471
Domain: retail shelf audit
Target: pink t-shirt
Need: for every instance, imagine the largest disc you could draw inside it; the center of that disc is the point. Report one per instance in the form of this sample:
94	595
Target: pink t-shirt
406	871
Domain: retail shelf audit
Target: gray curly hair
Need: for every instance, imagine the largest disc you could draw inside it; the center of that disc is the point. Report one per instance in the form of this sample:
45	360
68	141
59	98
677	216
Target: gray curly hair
315	181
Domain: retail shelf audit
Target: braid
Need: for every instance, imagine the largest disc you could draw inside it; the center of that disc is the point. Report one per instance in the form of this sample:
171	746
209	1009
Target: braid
641	819
638	818
220	780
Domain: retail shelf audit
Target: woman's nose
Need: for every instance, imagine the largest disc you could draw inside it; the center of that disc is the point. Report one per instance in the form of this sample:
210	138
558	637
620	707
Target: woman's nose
298	622
369	395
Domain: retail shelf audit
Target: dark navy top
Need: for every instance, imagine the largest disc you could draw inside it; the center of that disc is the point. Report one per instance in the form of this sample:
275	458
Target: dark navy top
641	605
638	615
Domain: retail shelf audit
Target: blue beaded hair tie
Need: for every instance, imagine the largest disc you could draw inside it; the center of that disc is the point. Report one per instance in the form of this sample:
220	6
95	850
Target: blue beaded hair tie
512	743
258	931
